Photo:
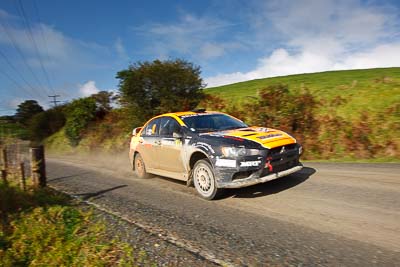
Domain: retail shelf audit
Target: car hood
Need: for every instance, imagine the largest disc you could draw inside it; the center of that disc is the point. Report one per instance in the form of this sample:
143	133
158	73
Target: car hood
267	137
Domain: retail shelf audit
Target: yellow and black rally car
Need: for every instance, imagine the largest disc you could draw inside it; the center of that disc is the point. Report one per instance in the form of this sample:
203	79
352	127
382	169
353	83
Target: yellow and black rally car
213	150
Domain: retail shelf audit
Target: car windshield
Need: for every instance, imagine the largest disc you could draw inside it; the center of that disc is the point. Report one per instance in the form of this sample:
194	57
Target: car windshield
203	122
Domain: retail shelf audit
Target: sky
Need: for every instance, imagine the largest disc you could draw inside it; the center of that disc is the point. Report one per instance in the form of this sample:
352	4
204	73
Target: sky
75	48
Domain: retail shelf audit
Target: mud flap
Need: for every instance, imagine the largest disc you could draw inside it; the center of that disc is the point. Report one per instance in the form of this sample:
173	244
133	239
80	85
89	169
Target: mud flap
189	181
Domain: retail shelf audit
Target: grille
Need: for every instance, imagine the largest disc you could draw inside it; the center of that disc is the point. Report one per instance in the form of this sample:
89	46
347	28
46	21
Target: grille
282	159
277	150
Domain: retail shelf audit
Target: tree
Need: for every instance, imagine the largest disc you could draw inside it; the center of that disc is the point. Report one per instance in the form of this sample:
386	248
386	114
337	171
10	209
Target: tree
79	114
104	101
26	110
150	88
46	123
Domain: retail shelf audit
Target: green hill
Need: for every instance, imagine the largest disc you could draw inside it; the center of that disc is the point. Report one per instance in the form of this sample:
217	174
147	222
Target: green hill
343	116
369	90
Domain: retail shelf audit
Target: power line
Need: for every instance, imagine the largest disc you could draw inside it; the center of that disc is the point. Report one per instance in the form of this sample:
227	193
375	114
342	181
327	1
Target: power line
16	70
14	43
42	34
13	81
27	23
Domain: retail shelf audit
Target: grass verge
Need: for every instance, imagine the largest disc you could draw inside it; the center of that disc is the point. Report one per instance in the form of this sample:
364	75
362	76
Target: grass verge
43	227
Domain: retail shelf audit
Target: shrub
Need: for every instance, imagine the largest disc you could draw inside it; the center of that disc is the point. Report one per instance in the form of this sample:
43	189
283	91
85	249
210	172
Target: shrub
79	114
46	123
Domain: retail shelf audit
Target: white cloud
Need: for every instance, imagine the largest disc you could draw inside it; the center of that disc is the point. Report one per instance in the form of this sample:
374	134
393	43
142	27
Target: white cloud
6	16
88	88
210	50
120	49
322	36
66	60
13	103
281	63
193	36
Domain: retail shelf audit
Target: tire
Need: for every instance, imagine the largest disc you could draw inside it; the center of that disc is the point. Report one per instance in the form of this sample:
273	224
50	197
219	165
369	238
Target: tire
204	180
140	167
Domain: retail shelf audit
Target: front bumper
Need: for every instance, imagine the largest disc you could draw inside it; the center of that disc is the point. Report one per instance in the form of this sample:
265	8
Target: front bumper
255	178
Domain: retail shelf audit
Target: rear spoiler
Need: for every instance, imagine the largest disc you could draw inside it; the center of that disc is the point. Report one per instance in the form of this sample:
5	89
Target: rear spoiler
136	131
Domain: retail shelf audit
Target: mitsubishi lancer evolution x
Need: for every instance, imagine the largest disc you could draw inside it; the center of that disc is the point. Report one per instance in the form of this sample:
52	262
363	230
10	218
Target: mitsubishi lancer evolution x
212	150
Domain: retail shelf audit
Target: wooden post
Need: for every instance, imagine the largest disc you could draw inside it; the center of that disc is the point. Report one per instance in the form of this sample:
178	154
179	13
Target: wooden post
23	181
4	169
38	166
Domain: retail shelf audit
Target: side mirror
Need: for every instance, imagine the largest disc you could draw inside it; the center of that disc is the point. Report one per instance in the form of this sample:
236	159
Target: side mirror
177	135
136	131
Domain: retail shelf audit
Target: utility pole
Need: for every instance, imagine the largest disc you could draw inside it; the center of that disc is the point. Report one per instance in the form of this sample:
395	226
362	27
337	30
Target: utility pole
54	101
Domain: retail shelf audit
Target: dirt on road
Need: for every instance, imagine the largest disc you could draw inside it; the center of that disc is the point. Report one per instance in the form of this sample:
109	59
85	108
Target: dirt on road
328	214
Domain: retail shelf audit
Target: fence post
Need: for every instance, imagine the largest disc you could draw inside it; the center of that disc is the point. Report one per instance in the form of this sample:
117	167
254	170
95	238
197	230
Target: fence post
38	166
23	181
5	165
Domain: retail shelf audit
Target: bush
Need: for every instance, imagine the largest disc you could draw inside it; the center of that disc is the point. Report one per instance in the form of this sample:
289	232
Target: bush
79	114
44	124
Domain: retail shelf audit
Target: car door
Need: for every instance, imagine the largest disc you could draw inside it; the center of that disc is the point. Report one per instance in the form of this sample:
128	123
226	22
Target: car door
170	153
149	143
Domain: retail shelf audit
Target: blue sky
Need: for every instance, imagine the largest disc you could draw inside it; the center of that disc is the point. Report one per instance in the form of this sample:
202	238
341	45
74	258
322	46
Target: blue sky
75	48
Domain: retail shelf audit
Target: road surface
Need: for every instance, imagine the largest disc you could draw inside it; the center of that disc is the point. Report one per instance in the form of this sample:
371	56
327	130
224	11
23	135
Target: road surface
326	215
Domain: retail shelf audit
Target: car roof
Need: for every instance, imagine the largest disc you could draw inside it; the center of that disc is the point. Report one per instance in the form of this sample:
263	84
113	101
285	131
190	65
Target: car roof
177	115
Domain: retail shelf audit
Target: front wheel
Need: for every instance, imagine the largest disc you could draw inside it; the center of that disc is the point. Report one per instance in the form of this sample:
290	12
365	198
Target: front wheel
204	180
140	167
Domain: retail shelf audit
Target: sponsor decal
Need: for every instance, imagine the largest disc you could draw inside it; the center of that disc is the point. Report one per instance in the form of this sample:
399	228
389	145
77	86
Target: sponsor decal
167	142
254	163
205	146
217	134
225	163
262	129
269	136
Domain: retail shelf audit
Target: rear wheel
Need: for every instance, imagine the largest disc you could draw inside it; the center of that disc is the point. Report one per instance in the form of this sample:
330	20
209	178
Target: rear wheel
140	167
204	180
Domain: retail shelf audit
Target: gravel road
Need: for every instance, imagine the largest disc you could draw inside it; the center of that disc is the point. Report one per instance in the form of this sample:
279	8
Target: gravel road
326	215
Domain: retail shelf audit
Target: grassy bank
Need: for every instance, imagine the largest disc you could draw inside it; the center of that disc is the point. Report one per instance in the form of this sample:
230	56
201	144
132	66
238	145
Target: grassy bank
45	228
338	115
369	90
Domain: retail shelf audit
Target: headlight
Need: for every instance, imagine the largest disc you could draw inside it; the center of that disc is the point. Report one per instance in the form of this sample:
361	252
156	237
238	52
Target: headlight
234	152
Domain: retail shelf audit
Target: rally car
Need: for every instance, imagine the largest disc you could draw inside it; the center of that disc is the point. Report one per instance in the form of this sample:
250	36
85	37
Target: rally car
212	150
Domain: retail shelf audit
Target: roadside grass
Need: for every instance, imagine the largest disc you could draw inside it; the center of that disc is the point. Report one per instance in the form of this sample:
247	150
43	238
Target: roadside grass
8	129
45	228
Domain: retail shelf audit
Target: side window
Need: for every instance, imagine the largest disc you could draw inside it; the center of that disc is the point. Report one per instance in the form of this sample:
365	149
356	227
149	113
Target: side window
152	128
169	126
